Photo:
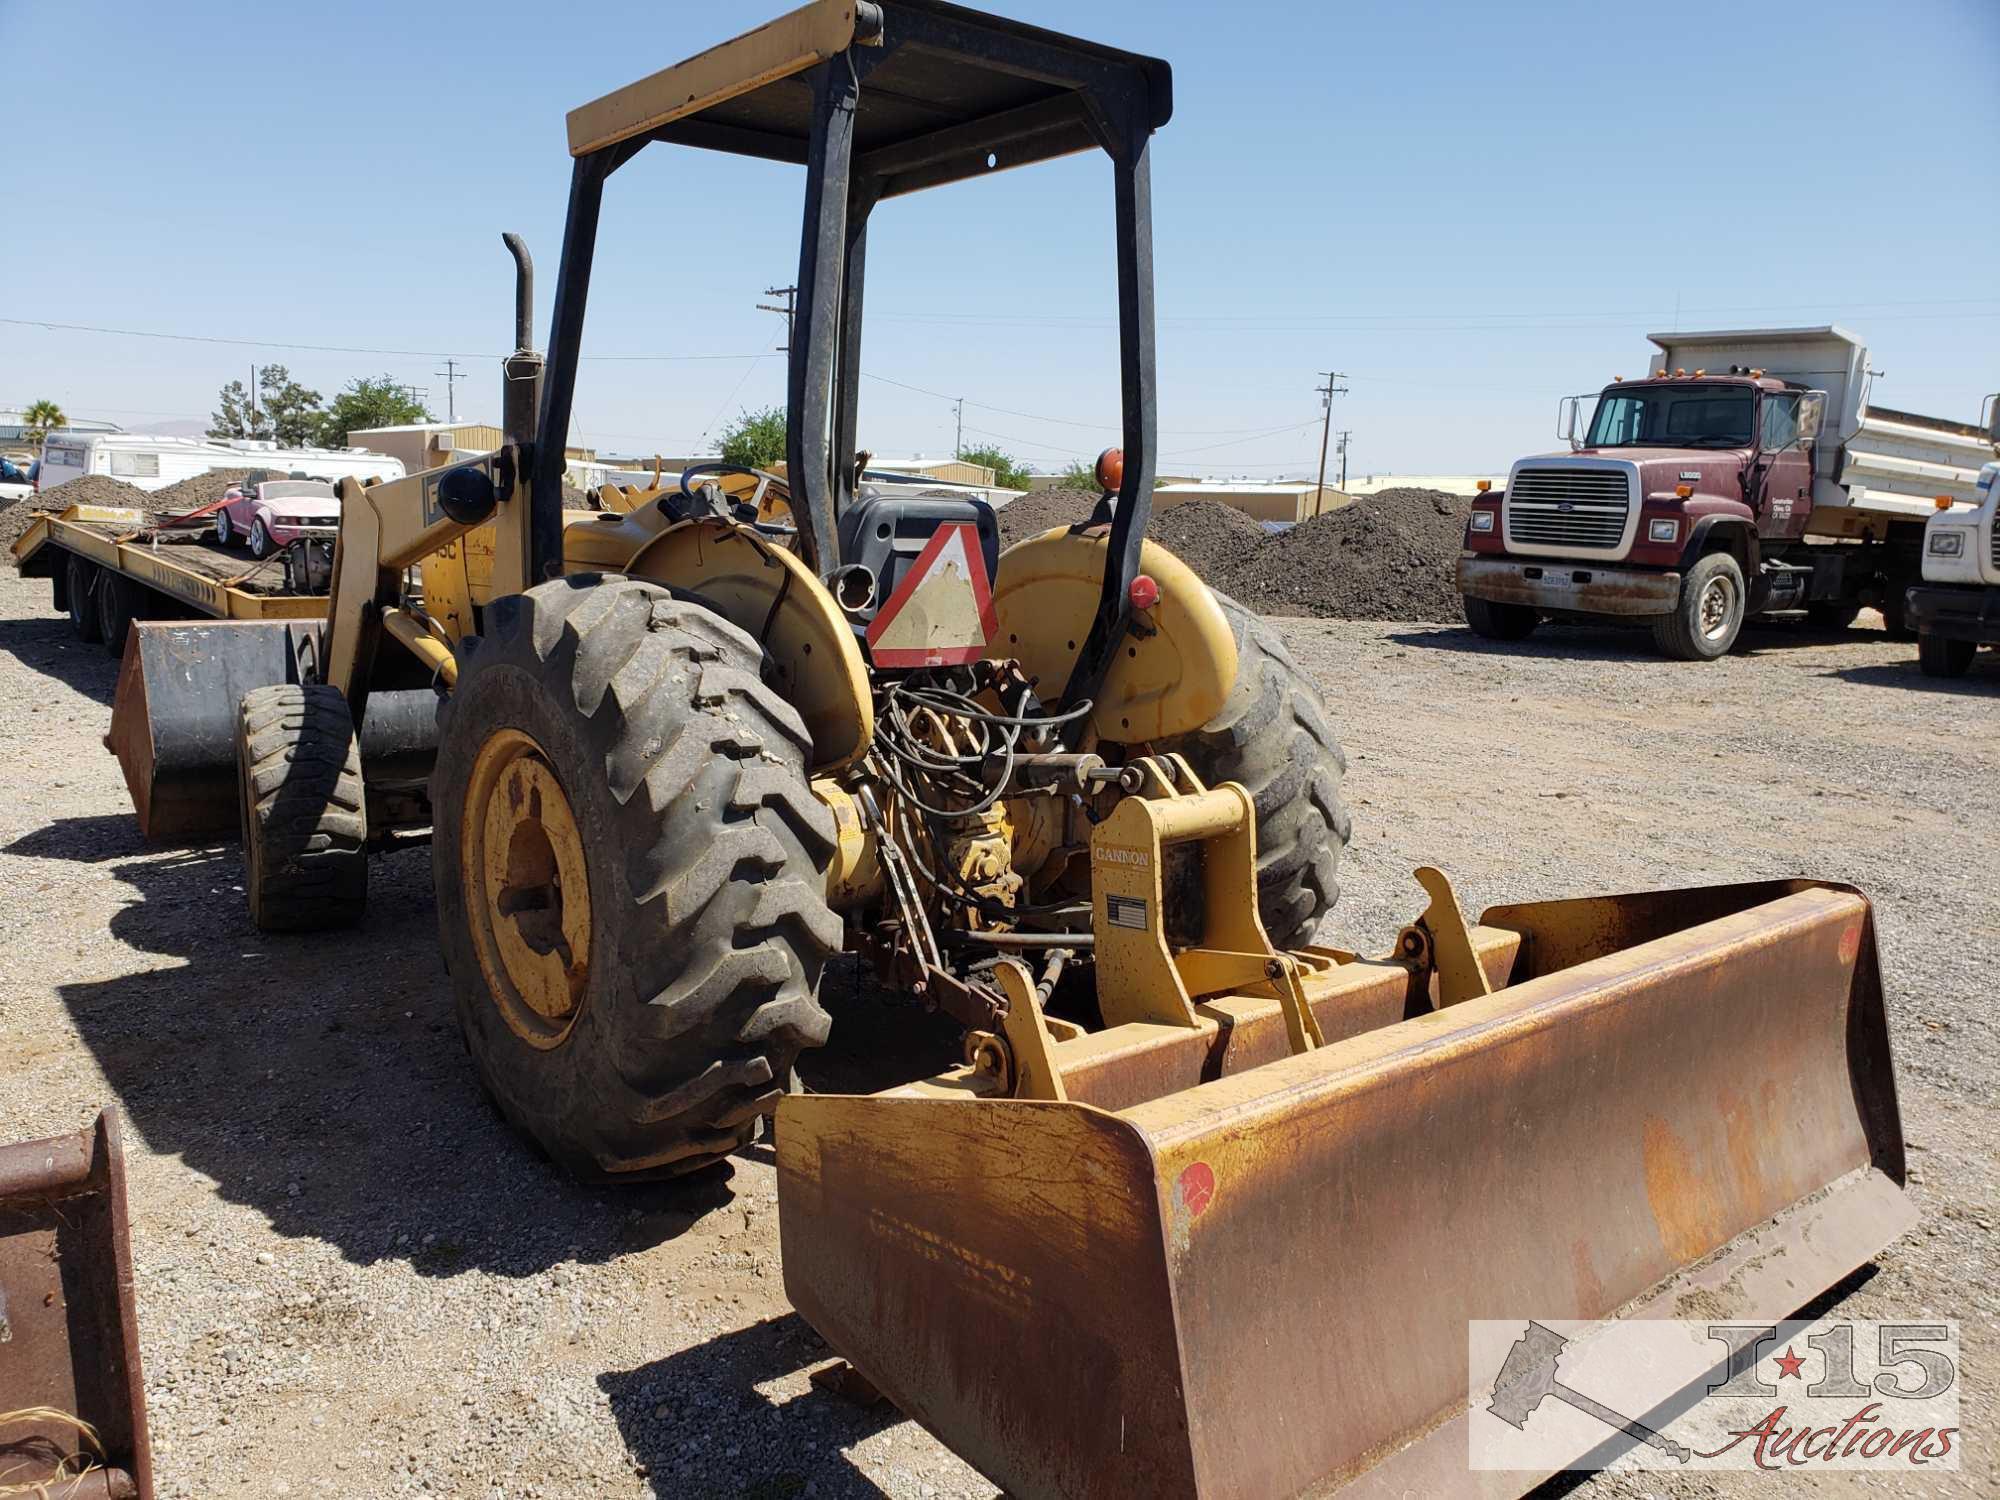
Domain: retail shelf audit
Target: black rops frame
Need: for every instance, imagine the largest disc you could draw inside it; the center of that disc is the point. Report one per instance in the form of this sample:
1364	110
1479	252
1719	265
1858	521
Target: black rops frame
1114	100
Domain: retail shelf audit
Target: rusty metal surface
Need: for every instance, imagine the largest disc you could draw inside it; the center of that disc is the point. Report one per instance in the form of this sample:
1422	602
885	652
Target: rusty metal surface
69	1335
1260	1285
1600	591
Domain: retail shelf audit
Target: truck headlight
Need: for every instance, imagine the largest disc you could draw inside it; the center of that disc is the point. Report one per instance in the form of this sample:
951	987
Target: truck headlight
1667	530
1947	544
1482	520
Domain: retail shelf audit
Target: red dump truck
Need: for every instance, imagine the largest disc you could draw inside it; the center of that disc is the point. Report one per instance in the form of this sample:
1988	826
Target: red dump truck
1744	473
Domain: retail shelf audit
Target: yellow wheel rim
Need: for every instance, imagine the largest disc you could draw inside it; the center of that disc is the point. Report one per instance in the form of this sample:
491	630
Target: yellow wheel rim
527	889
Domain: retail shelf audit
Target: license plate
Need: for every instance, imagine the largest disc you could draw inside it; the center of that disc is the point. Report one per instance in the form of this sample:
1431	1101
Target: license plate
1557	580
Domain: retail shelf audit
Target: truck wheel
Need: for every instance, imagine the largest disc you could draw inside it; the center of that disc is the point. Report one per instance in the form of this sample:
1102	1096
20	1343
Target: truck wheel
1274	738
79	580
1500	622
1941	656
630	870
1832	615
304	815
1709	614
1895	612
116	601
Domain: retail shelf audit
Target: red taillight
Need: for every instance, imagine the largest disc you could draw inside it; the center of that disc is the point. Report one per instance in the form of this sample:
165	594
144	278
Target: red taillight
1144	592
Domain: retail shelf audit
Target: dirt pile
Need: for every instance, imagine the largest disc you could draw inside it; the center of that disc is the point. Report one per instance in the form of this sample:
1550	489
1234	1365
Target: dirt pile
1391	556
1212	538
191	494
1035	513
85	489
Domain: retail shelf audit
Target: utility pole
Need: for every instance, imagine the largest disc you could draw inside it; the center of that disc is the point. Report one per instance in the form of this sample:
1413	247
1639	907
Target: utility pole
451	375
1344	434
1327	392
958	444
788	311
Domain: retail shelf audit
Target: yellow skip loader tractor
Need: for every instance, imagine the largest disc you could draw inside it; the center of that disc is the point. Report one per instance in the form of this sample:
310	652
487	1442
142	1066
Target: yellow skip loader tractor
1204	1209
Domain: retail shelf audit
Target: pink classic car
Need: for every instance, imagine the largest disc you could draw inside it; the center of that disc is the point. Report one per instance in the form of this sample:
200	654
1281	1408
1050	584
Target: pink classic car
269	513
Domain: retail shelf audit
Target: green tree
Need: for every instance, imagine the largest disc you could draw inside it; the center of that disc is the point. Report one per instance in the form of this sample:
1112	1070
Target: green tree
43	418
290	411
1081	475
284	410
756	439
236	415
1008	474
380	402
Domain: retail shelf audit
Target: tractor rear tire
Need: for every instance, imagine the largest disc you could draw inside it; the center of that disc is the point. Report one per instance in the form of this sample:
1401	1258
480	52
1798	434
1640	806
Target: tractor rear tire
304	813
80	595
630	870
1500	622
1273	736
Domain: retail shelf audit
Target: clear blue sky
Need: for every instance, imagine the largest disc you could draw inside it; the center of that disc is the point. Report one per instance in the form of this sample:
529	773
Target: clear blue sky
1471	208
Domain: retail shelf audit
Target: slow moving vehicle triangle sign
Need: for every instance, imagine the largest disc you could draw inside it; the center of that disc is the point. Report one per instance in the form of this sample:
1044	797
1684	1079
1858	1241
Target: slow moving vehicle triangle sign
941	614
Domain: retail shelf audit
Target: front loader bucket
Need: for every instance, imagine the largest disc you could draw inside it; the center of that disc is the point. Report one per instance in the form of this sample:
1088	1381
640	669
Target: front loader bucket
1675	1104
173	718
72	1396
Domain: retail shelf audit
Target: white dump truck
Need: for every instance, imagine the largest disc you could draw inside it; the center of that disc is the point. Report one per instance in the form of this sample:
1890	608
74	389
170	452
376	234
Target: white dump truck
1956	609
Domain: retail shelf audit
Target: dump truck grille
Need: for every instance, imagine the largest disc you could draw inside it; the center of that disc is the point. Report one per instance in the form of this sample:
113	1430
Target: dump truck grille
1568	508
1993	542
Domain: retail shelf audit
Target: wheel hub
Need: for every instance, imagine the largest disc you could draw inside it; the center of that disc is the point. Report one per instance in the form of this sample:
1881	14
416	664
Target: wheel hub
1715	607
527	889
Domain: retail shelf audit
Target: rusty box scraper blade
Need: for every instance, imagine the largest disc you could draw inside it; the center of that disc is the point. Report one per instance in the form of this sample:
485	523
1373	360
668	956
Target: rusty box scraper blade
69	1335
1680	1103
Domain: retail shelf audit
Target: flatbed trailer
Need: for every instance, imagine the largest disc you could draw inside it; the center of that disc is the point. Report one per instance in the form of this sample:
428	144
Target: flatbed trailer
112	565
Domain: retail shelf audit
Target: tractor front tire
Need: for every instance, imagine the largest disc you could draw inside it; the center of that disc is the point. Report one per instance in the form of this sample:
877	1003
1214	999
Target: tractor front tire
630	864
304	814
1273	736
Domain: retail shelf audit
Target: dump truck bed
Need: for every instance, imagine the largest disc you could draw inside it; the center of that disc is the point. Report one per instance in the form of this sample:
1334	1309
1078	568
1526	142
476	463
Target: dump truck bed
188	568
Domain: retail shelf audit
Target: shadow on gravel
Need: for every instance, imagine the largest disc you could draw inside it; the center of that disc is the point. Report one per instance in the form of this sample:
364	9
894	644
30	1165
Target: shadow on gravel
696	1416
1616	642
320	1079
1979	682
47	646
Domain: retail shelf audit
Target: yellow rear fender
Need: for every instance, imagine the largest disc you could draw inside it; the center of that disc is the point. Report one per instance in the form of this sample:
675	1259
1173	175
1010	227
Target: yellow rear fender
766	592
1169	678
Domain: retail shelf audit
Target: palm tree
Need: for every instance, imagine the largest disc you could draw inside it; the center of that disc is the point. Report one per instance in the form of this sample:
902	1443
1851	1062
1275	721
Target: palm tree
43	418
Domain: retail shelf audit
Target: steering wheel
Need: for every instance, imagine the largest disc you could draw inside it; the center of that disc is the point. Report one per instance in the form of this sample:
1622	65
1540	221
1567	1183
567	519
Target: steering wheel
764	480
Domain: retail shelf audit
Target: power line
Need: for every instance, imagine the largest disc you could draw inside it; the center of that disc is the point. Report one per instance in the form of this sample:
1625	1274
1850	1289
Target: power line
202	338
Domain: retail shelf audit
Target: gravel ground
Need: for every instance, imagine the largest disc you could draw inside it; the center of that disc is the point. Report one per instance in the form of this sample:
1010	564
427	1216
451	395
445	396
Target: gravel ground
353	1279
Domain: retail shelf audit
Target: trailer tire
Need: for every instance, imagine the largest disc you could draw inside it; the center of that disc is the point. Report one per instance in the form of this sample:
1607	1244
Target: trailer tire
1942	656
1708	616
303	811
630	869
1500	622
1275	738
80	579
117	607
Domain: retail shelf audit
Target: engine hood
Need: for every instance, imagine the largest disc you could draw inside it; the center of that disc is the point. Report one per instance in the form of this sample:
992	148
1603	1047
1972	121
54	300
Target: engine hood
1713	471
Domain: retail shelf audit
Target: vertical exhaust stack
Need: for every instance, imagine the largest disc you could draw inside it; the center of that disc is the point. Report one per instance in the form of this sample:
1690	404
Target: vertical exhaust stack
521	392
